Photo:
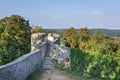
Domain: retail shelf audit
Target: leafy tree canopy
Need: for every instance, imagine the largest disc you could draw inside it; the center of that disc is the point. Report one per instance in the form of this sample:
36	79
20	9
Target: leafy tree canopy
15	38
36	29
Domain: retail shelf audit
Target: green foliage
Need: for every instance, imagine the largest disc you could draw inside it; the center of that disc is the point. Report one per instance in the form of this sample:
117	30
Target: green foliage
99	67
108	32
98	37
15	38
36	29
52	31
95	43
101	61
111	33
71	37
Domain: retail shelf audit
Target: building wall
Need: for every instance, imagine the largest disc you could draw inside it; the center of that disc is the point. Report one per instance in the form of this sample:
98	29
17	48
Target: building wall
20	68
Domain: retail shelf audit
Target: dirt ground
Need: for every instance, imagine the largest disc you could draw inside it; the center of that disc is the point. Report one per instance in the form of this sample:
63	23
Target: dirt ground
54	74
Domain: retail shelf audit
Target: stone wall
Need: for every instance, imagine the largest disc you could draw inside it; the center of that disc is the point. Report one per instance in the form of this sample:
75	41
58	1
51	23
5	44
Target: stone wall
56	41
52	36
37	39
59	53
20	68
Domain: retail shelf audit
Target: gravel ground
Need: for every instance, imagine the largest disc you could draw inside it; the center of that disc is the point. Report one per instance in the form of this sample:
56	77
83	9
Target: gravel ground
54	74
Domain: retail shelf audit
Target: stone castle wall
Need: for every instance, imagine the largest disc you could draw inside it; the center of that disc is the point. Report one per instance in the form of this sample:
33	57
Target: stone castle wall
20	68
59	53
36	40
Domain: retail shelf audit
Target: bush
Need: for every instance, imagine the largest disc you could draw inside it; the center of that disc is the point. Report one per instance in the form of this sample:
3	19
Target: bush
102	67
15	38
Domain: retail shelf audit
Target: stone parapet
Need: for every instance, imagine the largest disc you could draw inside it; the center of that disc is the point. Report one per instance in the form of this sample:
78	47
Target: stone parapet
23	66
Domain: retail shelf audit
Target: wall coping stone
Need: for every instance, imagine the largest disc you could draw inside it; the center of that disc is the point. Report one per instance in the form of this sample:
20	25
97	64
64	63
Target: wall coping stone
19	59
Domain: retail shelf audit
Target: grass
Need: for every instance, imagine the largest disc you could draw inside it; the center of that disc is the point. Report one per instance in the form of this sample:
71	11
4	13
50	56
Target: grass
74	74
35	75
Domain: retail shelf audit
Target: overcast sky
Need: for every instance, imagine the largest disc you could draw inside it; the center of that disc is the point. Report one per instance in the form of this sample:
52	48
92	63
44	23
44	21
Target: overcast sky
65	13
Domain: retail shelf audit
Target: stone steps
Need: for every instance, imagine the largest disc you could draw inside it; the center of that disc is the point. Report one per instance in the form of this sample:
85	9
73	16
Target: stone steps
47	63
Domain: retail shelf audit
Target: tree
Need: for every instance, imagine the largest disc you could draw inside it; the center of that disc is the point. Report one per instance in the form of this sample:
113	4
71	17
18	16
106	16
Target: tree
15	38
98	37
83	38
95	43
70	37
69	32
36	29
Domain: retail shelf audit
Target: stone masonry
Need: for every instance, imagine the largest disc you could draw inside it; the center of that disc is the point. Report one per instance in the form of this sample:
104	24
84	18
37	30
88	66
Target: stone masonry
20	68
59	53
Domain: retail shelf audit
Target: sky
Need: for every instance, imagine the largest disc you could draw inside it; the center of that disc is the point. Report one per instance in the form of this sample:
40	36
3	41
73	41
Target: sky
65	13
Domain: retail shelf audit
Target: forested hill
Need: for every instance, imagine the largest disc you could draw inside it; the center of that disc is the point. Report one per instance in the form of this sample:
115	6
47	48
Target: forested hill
108	32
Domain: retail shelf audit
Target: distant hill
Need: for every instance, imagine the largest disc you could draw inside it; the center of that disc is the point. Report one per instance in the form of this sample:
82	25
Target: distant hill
51	30
108	32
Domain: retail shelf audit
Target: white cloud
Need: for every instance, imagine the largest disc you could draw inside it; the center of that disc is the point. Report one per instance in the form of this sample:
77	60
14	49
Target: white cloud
97	13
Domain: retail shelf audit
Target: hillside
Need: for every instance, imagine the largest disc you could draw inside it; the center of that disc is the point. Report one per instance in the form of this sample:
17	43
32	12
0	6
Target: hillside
108	32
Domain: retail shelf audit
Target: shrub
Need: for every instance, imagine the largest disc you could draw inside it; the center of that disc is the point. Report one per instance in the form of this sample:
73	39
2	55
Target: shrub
102	67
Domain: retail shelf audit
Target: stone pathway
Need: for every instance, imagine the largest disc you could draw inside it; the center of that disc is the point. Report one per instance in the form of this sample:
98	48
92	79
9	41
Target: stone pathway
54	74
47	63
50	73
